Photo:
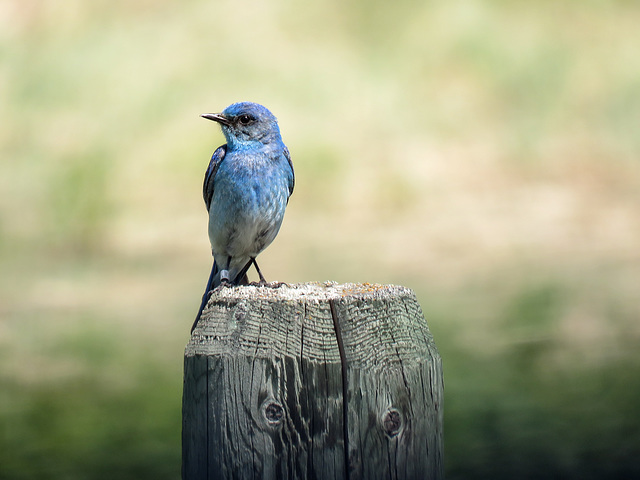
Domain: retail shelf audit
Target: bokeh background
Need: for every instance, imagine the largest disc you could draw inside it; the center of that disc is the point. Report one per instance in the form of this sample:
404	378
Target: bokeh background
484	153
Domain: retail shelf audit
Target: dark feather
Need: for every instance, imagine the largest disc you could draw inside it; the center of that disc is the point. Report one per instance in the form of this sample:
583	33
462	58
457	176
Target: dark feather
293	177
210	174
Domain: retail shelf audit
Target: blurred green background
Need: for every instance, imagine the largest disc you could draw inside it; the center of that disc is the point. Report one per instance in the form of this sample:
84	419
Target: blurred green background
484	154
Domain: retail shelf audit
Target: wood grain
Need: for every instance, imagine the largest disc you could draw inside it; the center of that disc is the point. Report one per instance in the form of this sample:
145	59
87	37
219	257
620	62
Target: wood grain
267	372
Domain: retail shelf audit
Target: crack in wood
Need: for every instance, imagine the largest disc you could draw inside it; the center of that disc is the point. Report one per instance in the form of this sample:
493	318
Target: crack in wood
345	386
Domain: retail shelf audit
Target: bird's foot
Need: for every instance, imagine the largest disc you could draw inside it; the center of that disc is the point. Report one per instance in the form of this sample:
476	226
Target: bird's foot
224	283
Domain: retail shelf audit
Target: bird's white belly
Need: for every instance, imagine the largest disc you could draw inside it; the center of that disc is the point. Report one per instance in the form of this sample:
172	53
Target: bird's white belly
243	223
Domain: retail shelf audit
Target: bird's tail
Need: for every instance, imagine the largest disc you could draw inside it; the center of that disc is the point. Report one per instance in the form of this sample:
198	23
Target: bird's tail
240	278
213	282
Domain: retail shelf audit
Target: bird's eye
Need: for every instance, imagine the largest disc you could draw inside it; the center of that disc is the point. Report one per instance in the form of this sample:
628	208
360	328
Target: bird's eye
245	119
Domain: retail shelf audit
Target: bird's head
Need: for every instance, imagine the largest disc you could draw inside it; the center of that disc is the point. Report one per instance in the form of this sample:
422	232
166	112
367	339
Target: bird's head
246	122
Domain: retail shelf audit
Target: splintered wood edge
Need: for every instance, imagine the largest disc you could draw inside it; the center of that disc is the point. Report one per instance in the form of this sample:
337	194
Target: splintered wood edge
314	291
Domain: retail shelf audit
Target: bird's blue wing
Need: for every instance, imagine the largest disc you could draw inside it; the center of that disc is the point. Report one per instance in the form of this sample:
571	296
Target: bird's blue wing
292	180
210	174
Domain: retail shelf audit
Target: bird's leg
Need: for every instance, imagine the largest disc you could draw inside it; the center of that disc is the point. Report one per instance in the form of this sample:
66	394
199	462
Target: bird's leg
224	274
262	280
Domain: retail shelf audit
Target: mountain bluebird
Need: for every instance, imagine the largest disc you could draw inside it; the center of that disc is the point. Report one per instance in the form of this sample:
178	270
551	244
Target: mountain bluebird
246	190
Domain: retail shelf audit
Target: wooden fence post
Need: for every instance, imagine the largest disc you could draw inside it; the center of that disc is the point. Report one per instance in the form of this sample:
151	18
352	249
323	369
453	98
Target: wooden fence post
321	381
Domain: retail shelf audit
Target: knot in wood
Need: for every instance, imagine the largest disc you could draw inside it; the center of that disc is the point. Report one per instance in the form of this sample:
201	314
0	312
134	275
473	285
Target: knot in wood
392	422
274	413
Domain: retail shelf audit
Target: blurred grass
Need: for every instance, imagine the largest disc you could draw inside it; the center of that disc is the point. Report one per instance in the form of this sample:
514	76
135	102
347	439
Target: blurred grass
485	154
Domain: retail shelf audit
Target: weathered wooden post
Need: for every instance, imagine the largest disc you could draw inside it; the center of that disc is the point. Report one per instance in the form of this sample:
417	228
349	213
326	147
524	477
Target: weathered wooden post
321	381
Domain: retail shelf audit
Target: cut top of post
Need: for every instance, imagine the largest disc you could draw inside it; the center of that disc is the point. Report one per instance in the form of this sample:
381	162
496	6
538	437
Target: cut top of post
306	320
313	291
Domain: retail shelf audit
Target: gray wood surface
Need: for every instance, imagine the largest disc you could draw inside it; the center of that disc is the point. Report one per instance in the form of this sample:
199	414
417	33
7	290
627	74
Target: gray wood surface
321	381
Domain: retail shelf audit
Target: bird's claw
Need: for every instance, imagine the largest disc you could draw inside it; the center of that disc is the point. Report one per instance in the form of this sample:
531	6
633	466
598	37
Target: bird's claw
224	283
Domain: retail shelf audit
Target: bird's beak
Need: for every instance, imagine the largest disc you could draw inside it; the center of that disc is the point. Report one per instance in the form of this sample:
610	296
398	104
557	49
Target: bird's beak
216	117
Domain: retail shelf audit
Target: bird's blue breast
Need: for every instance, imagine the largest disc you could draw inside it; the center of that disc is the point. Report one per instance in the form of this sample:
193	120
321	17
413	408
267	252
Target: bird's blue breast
249	199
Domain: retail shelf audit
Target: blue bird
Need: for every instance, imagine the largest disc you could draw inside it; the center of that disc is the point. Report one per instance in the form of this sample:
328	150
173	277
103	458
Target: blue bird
246	190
